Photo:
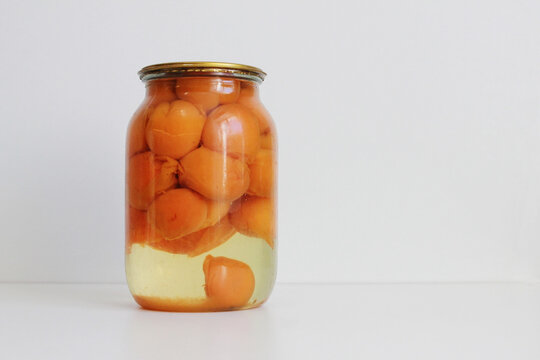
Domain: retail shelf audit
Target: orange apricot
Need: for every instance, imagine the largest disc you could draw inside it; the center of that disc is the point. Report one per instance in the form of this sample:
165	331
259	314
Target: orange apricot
213	175
137	227
267	141
174	304
198	242
174	129
181	245
229	283
136	141
261	174
212	237
148	175
215	230
254	216
178	212
232	129
249	97
216	211
159	91
207	92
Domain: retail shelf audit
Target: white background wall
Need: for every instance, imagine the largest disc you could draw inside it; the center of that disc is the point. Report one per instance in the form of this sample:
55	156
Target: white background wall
409	131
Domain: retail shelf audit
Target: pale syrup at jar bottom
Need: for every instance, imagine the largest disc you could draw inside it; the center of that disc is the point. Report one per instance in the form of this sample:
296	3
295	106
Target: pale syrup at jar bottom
161	280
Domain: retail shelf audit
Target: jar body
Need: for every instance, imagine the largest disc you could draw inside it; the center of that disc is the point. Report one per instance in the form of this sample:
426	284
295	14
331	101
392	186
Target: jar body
201	196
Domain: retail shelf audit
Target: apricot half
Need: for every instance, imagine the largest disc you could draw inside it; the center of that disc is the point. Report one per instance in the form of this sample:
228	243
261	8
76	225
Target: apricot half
207	92
254	216
216	211
137	227
178	212
229	283
249	97
181	245
198	242
214	175
261	174
174	129
212	237
267	141
148	175
232	129
159	91
136	141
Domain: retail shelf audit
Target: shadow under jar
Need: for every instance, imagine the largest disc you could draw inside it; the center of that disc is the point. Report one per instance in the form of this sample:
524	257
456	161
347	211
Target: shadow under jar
201	190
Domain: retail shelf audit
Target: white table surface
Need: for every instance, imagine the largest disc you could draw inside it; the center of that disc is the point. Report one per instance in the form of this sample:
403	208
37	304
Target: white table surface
300	321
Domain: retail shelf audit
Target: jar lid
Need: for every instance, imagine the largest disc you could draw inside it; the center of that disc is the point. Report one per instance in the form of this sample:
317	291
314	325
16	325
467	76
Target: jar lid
201	68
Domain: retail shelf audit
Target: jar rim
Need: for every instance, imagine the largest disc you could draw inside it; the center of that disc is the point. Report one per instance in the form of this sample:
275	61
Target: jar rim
201	68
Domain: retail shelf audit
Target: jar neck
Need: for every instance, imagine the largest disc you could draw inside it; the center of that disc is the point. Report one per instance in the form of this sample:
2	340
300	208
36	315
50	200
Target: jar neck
206	93
172	88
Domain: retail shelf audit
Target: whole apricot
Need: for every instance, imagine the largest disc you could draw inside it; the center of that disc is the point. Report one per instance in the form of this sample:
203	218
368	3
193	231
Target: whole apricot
160	90
136	141
215	229
267	141
207	92
157	92
198	242
211	237
249	97
216	211
261	174
254	216
213	174
137	227
174	129
181	245
178	212
148	175
229	283
232	129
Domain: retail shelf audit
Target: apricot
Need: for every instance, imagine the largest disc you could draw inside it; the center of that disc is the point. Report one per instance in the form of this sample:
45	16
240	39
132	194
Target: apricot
249	97
198	242
174	129
159	91
261	174
136	141
207	92
137	227
229	283
214	175
173	304
181	245
214	230
267	141
232	129
178	212
212	237
216	211
148	175
254	216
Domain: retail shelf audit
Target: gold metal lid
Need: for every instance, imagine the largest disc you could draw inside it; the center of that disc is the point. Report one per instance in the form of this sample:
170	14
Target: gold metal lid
201	68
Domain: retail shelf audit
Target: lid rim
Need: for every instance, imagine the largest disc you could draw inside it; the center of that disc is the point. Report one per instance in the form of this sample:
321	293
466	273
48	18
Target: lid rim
201	68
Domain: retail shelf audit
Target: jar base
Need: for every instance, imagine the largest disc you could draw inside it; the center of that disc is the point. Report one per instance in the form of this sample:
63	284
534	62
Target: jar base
182	305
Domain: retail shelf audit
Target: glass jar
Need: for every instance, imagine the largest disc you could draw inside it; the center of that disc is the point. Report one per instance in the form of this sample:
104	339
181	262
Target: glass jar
201	190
